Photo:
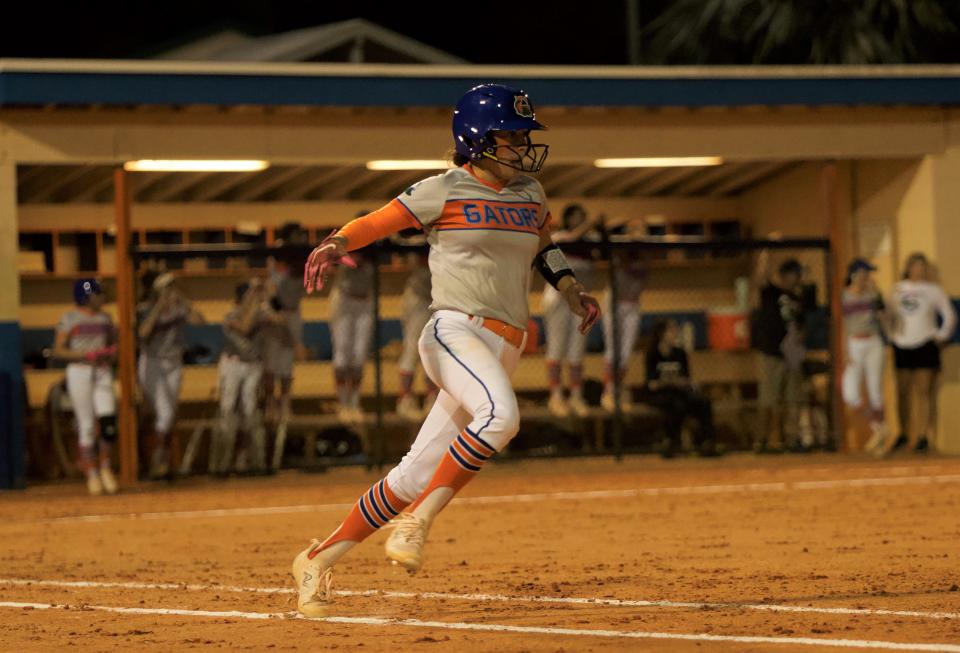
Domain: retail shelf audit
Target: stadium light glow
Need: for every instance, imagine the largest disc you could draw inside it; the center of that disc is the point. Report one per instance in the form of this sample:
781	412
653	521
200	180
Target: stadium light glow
197	165
411	164
659	162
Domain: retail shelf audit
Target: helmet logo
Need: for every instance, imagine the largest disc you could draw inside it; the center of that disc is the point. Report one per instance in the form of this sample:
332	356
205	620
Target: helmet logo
521	104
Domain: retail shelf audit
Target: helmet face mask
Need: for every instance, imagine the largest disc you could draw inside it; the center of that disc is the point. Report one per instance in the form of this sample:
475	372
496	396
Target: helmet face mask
528	157
491	109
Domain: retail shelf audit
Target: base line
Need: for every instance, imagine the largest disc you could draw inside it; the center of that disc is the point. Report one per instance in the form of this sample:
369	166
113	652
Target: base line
503	628
496	598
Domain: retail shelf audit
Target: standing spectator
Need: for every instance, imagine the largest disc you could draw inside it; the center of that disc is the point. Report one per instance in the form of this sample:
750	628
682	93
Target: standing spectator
415	313
240	371
670	388
86	340
916	303
564	340
283	337
161	316
780	338
863	313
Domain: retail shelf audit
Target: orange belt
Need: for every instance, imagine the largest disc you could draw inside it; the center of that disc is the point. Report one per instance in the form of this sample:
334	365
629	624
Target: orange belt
510	333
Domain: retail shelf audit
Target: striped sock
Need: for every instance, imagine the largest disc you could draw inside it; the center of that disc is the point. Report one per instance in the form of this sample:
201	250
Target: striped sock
575	372
406	384
376	507
553	374
463	459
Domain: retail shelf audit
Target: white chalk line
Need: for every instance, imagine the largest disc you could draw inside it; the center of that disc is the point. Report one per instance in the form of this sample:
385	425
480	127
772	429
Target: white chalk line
499	598
503	628
524	498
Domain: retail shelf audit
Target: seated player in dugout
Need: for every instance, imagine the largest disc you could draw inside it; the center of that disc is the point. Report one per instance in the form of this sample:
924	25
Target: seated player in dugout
162	314
87	340
671	389
487	224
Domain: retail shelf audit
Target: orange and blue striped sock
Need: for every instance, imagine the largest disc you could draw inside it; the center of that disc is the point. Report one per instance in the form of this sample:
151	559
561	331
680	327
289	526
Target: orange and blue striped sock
376	507
463	459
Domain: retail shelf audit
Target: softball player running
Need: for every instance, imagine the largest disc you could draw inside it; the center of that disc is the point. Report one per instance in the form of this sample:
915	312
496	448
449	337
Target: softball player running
86	339
351	328
862	318
487	227
630	276
161	317
564	340
415	313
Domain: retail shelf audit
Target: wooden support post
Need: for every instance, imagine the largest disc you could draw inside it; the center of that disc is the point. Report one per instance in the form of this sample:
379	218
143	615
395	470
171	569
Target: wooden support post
127	339
834	279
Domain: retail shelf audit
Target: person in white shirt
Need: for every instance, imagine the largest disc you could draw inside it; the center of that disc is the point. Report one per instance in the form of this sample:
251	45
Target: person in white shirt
916	303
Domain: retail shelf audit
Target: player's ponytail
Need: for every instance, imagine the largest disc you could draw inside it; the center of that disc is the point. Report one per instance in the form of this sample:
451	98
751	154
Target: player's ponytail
456	158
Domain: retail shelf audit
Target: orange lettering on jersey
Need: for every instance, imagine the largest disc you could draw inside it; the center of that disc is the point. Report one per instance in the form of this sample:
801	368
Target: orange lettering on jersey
523	217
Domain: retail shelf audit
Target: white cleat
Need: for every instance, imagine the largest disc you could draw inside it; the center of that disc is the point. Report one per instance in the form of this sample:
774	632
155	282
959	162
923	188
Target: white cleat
109	480
407	409
558	406
404	547
578	406
877	444
606	401
313	582
94	486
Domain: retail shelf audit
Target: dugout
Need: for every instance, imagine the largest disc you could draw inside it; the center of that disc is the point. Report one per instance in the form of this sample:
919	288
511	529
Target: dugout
866	157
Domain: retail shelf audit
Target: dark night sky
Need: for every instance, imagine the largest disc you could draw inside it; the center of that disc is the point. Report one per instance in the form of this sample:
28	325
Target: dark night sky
514	32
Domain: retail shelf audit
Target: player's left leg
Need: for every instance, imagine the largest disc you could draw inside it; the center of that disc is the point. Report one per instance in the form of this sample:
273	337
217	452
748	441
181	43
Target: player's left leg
474	367
379	504
105	408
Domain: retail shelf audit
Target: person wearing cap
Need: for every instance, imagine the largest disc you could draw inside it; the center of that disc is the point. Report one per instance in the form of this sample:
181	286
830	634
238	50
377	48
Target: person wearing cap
863	316
780	339
87	341
162	314
917	303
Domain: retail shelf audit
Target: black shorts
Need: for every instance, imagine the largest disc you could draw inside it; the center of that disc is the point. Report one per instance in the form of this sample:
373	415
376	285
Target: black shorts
924	357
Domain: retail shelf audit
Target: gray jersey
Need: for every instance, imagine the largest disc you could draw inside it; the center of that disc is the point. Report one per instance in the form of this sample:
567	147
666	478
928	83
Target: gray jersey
166	340
861	313
289	290
482	241
419	285
356	282
245	346
86	330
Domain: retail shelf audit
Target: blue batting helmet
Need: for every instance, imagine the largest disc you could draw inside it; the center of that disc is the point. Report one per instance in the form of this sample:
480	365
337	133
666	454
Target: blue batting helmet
495	107
83	288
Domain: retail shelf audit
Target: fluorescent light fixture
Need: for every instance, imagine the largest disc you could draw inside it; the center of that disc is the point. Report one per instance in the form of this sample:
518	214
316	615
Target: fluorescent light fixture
659	162
411	164
198	165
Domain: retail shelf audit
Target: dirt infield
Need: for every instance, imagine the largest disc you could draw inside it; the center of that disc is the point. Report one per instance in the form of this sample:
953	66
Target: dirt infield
737	554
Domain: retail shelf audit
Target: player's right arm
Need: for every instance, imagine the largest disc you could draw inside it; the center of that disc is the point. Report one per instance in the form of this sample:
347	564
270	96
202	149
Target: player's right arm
61	348
416	207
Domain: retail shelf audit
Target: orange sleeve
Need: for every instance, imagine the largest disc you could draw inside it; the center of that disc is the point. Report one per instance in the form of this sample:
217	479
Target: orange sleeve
381	223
